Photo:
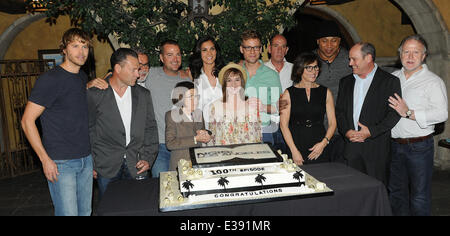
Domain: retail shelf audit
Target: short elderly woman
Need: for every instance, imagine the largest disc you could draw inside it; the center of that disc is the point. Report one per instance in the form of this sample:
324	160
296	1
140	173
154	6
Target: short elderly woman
185	127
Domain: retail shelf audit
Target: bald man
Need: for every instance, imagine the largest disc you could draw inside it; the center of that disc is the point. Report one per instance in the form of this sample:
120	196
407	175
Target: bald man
363	115
278	49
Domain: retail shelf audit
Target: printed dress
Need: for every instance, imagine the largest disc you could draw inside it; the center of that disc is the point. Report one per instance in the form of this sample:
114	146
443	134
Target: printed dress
234	127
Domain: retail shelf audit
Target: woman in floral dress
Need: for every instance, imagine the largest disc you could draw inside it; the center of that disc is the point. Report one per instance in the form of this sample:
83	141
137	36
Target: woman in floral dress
233	119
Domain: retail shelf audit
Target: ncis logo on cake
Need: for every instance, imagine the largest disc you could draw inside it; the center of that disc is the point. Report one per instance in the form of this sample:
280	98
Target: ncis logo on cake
233	155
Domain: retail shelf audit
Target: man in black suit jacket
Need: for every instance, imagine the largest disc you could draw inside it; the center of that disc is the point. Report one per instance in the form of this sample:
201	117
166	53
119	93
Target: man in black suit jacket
363	115
122	126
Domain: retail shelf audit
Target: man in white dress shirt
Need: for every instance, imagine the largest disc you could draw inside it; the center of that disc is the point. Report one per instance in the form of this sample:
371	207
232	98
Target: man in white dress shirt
278	49
122	127
423	105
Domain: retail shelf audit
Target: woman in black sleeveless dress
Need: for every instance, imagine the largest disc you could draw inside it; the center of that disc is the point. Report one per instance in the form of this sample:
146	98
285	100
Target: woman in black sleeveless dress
302	121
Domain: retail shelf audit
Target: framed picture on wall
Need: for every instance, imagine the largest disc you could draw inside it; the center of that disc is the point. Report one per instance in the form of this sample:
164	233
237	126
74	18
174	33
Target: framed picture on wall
88	67
51	54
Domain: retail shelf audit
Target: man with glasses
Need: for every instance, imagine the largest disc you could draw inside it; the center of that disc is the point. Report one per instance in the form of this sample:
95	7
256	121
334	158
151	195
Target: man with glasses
143	66
263	85
423	105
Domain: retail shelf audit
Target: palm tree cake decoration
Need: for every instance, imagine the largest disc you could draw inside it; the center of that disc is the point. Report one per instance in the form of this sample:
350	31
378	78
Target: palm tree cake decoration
223	182
188	185
298	176
260	179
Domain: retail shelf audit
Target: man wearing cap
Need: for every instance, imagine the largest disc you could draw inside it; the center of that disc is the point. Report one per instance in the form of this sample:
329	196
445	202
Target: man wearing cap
263	84
334	58
334	66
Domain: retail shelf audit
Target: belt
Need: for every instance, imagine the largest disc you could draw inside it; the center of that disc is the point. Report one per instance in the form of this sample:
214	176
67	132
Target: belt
412	140
307	123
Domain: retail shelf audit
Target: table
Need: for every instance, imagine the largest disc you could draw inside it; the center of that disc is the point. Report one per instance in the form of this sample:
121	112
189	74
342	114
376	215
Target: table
354	194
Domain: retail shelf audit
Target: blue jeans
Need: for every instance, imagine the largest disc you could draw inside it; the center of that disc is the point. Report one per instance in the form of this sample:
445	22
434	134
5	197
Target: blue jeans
278	141
268	138
72	193
410	178
162	161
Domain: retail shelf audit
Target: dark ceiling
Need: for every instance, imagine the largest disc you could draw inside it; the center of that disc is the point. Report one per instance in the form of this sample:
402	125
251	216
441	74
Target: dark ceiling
12	6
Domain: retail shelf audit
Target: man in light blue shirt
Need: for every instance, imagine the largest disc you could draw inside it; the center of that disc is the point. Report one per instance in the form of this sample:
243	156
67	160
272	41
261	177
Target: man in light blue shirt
359	93
363	115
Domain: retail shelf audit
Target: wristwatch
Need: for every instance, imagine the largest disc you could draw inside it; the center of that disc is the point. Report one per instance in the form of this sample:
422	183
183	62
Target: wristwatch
408	114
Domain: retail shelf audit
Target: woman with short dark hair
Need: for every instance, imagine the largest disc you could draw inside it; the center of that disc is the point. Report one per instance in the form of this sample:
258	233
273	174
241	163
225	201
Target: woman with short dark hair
185	127
302	120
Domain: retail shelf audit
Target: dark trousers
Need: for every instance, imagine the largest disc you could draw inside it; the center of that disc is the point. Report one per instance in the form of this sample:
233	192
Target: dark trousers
410	178
278	141
336	149
371	157
123	173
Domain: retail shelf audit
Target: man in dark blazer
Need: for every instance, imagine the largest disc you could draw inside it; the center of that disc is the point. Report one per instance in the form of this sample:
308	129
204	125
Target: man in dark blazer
363	115
122	126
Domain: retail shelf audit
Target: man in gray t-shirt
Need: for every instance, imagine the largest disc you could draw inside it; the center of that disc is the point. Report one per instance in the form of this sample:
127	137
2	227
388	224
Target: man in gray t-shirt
161	85
333	58
334	66
331	72
161	81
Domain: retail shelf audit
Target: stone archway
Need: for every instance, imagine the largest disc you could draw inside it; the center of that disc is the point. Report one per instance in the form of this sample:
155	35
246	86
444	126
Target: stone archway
20	24
8	36
301	37
429	23
340	19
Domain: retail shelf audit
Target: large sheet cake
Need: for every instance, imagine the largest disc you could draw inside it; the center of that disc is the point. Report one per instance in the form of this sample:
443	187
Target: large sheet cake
236	174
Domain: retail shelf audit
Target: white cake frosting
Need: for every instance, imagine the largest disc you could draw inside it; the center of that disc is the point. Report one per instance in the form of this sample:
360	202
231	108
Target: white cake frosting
171	197
192	187
238	177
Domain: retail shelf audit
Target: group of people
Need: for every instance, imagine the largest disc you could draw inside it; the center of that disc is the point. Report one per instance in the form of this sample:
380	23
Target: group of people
328	102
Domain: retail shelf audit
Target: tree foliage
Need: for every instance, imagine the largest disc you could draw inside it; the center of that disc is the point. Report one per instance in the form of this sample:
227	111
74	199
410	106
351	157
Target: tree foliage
146	23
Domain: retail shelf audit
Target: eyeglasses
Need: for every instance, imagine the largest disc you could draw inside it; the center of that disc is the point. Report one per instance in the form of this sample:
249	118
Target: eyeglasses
141	66
249	48
310	68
